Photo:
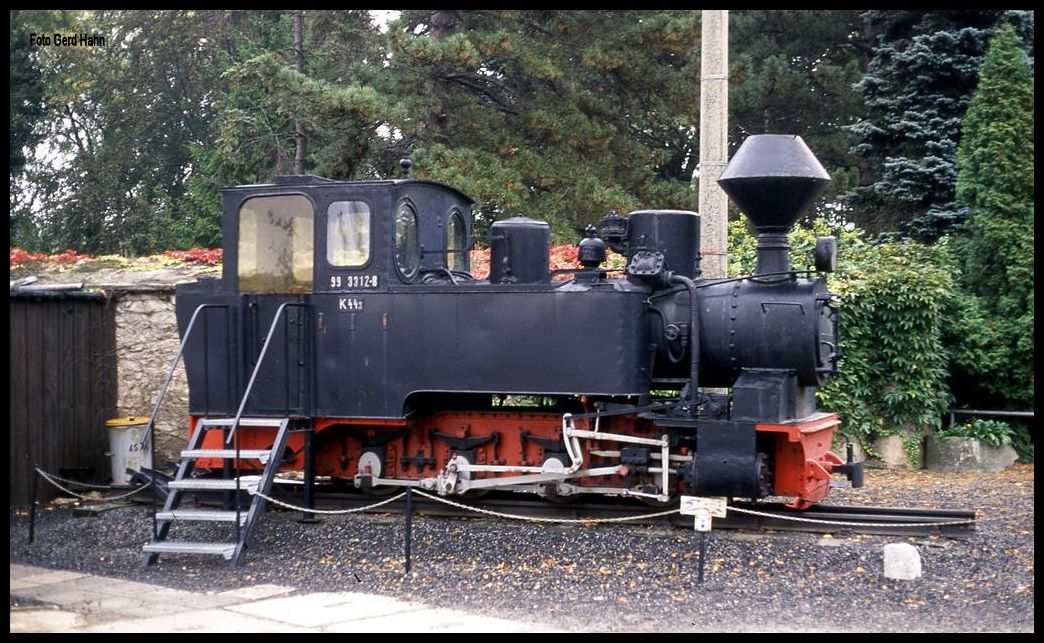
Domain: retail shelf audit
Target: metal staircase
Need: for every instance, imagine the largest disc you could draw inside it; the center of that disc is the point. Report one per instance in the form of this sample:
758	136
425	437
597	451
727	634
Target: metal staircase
183	482
245	519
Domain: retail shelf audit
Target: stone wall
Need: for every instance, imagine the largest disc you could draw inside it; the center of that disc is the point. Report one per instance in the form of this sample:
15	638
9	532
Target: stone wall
146	342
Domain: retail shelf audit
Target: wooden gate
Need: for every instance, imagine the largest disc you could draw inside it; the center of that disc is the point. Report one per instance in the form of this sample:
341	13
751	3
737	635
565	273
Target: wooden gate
63	388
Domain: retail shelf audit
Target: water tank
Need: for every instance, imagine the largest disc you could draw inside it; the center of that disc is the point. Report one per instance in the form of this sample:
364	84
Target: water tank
519	250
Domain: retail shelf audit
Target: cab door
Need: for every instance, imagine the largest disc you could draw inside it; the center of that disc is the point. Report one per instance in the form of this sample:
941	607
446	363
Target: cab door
349	305
275	267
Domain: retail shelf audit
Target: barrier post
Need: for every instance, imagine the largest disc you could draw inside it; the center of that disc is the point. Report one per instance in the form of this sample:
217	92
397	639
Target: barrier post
32	502
309	478
409	525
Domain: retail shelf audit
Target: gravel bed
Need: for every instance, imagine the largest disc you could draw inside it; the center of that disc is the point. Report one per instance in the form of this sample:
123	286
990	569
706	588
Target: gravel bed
615	577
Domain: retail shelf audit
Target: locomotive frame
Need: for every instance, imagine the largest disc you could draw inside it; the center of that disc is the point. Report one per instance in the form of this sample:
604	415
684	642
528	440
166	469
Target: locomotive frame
347	307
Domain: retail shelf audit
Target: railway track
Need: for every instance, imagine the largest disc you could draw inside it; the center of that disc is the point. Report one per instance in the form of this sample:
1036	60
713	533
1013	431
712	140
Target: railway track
903	521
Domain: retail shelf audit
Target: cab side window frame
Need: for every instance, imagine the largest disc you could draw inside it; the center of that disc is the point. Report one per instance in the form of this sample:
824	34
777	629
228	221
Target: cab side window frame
406	241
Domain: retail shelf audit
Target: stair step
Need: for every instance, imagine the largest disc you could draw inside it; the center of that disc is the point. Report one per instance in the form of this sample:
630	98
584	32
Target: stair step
204	515
204	484
228	454
215	422
186	547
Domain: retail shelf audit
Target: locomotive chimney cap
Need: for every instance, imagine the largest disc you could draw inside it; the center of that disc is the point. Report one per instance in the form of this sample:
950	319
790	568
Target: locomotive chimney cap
773	178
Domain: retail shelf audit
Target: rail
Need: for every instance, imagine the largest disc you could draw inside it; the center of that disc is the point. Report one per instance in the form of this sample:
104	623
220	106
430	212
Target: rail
955	412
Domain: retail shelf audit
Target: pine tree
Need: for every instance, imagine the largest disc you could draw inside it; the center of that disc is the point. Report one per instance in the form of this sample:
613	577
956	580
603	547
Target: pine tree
995	183
559	115
916	90
793	72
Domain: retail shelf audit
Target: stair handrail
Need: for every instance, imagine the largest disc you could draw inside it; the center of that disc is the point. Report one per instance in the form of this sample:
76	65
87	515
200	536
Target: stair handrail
147	433
242	405
257	366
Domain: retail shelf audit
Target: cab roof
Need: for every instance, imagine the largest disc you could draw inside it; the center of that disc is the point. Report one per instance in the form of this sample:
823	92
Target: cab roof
311	180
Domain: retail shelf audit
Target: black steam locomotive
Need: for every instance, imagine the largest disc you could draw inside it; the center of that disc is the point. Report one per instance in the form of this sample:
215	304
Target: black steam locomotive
348	309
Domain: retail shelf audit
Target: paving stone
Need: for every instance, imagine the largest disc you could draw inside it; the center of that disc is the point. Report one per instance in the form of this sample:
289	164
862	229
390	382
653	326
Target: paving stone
161	596
18	572
51	577
44	620
435	620
215	620
257	592
105	607
21	584
326	608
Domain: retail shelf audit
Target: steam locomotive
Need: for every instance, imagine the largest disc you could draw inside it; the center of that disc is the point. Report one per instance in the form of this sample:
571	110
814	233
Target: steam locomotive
348	309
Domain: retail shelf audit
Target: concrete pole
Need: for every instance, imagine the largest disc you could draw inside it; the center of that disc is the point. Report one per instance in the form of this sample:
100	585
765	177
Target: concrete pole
714	141
299	133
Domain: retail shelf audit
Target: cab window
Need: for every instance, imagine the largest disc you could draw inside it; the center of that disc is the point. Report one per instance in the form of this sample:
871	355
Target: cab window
407	245
456	242
348	234
275	244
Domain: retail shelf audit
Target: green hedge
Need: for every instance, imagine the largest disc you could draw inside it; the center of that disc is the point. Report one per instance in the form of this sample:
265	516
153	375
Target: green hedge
894	296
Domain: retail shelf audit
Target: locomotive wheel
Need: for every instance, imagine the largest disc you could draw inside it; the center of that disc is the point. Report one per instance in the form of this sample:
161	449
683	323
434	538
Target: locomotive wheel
766	482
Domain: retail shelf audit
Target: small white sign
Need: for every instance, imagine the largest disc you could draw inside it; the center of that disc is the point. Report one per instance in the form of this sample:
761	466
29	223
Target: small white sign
690	505
703	520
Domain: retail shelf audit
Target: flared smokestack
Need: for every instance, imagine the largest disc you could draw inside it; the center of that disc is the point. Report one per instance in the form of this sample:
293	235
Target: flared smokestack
773	178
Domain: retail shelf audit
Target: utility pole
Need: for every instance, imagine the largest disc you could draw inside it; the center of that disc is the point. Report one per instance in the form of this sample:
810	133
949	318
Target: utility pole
714	140
299	133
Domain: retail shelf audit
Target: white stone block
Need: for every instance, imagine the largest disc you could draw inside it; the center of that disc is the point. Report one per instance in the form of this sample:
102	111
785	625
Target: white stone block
902	561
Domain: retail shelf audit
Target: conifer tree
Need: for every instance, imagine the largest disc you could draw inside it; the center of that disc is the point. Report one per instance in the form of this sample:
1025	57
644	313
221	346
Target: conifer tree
916	90
995	183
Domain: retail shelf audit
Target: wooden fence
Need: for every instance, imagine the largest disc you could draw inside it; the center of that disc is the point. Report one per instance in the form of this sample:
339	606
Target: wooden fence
63	388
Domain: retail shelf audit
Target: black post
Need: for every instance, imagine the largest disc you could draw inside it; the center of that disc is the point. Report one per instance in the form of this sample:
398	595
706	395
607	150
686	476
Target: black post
226	474
155	501
32	503
409	524
703	556
309	478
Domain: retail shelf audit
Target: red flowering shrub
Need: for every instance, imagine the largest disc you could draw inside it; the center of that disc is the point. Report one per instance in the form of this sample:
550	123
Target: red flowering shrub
560	257
20	257
209	256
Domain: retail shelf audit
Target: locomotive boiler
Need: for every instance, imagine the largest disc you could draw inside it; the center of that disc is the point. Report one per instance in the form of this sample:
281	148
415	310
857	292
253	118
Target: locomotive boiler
348	309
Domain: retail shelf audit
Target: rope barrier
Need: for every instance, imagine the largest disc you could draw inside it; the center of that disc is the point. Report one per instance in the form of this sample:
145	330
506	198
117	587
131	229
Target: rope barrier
292	507
500	514
48	478
466	507
538	519
77	482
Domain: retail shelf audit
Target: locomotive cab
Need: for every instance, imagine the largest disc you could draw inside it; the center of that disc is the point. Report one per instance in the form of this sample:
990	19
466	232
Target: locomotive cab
305	234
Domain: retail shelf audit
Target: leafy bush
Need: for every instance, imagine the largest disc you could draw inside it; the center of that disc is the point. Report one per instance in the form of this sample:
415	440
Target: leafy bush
892	376
993	432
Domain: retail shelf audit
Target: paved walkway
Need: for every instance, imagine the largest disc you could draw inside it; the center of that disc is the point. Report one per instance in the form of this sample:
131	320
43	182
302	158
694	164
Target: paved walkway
83	603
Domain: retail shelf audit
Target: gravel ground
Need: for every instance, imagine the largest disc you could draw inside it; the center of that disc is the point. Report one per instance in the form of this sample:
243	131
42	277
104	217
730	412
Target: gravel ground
617	577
